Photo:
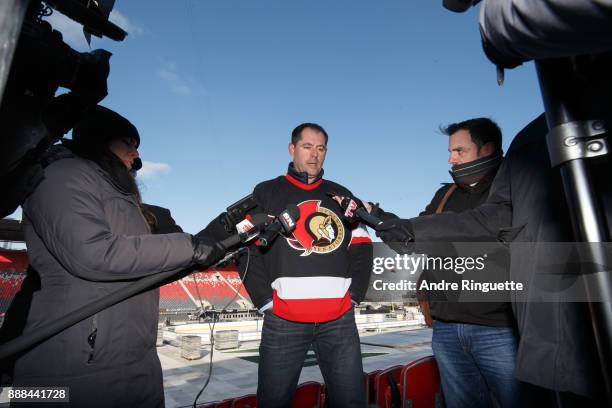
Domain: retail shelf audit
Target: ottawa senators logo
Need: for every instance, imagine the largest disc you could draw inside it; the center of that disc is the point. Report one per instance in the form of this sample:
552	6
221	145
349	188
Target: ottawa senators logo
318	229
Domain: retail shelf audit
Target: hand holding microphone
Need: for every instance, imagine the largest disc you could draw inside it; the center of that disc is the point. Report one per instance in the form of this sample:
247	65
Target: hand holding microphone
355	210
207	251
395	230
391	231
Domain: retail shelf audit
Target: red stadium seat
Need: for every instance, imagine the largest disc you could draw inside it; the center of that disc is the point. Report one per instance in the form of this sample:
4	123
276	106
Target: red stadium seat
247	401
307	395
383	389
227	403
208	405
323	396
420	384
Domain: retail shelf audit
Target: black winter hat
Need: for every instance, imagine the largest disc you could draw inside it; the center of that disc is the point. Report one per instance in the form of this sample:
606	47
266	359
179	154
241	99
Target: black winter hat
98	126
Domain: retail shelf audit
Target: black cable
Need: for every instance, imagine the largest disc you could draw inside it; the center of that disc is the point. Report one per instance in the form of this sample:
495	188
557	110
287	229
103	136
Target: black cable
212	328
210	365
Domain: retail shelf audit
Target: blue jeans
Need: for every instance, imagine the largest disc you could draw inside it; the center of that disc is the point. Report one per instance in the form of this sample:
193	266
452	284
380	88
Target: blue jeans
282	351
476	364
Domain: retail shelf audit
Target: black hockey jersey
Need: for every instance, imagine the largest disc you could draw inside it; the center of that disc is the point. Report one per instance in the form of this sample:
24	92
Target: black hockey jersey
313	274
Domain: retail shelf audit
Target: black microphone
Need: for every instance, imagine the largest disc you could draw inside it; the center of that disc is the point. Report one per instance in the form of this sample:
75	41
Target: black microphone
258	223
354	209
285	223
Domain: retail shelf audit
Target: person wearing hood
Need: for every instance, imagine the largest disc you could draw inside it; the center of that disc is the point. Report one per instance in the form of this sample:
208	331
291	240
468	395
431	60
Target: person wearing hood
474	343
88	235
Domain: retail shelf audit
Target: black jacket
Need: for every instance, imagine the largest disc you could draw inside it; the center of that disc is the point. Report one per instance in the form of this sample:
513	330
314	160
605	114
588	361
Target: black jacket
447	306
526	208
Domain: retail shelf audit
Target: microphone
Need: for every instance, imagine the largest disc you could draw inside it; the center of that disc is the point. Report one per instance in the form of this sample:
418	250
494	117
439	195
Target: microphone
354	209
285	223
248	230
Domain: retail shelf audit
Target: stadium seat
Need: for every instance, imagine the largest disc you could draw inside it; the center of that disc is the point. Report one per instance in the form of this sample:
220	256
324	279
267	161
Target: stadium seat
420	384
208	405
371	386
383	393
246	401
226	403
307	395
323	396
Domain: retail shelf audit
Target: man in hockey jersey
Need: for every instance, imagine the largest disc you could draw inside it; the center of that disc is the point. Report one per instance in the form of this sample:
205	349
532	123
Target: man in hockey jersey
306	284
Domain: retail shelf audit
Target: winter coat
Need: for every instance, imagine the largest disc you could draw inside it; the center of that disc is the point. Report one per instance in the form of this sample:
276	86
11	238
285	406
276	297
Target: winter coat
86	238
526	207
514	31
446	308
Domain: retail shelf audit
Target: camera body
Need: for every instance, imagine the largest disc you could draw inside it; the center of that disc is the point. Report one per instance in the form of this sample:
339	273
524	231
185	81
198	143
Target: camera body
31	116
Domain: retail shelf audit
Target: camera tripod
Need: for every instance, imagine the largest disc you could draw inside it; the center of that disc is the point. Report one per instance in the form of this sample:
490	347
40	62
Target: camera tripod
576	137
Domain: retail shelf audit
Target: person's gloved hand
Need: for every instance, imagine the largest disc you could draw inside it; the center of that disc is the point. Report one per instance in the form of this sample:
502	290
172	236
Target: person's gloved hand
375	210
395	230
206	251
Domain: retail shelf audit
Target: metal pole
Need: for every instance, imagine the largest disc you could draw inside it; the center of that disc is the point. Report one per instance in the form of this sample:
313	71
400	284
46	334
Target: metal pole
574	138
11	18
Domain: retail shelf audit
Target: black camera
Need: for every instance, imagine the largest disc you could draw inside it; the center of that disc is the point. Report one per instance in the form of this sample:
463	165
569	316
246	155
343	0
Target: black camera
31	116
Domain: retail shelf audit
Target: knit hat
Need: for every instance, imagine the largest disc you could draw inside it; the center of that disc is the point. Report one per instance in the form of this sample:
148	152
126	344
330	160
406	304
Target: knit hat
98	126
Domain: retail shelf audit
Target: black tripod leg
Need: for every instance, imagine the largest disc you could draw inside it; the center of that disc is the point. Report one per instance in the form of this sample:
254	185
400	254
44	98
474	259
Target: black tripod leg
574	138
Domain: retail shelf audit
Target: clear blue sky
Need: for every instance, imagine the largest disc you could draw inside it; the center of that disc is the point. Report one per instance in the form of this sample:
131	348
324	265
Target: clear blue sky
215	88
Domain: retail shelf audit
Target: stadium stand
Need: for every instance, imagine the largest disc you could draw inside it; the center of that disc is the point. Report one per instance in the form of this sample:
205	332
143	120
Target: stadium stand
216	288
212	289
13	265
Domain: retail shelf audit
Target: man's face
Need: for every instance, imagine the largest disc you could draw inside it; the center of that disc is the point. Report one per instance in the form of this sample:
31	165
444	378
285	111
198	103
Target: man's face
461	148
125	149
309	152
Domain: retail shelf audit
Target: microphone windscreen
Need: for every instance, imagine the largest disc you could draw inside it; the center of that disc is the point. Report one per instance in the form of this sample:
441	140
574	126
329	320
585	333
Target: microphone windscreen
293	211
259	218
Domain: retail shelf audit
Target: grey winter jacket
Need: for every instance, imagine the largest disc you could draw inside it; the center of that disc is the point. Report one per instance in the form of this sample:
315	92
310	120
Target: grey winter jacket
86	238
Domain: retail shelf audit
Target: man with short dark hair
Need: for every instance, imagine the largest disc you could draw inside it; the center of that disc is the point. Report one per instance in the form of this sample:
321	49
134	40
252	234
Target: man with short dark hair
474	342
308	282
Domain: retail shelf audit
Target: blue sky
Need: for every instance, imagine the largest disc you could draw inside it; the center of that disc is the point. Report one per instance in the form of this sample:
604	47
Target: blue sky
216	86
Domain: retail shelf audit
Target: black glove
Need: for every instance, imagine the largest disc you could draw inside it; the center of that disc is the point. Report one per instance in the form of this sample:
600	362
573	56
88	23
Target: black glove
206	252
376	210
397	234
395	230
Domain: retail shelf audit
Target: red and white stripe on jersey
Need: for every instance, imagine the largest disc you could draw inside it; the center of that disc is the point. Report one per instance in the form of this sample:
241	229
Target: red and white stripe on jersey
360	235
311	299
